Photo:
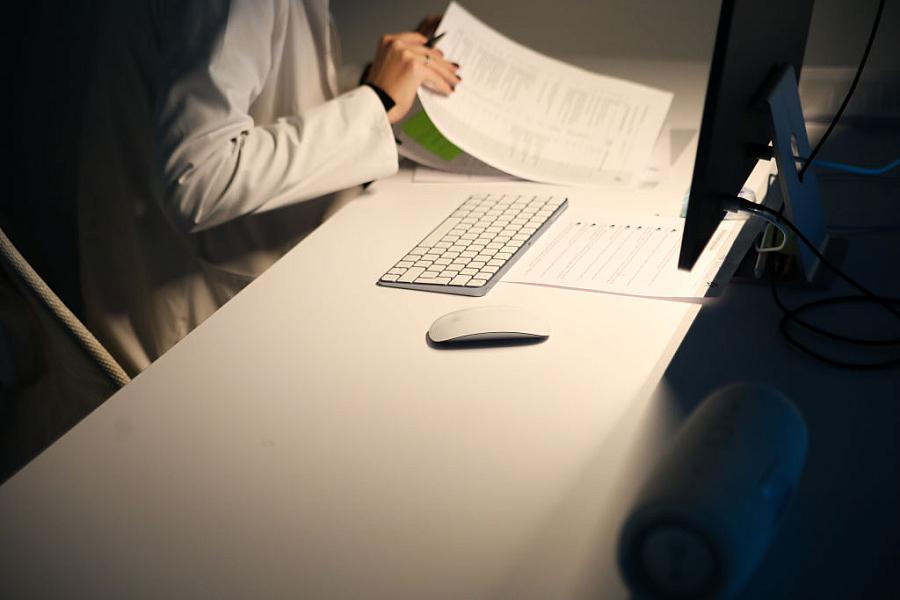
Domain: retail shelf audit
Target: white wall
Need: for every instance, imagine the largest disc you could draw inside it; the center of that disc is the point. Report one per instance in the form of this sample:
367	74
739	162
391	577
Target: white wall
675	29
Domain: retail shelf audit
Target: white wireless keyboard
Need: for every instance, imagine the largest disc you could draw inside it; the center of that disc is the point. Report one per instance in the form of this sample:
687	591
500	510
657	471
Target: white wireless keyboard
473	247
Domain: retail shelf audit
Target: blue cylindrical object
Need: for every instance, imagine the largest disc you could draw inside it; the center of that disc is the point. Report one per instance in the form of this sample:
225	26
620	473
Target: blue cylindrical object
711	506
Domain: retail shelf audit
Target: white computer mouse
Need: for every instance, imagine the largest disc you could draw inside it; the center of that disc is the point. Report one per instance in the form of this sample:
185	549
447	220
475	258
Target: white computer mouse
488	323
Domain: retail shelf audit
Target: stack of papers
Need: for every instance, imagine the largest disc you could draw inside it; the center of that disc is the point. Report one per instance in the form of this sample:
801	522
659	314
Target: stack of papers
524	114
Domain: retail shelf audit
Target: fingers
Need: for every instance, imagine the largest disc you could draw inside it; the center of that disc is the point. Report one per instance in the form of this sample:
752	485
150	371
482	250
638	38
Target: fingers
441	75
437	83
405	37
435	56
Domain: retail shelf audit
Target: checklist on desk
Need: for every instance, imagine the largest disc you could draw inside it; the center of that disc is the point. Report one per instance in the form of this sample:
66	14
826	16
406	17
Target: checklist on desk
531	116
632	255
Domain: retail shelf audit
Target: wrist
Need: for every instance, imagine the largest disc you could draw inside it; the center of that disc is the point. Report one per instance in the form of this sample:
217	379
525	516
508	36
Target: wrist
385	98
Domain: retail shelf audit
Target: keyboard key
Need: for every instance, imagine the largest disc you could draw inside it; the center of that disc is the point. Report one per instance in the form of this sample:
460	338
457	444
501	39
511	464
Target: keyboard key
411	275
476	282
390	277
460	280
433	280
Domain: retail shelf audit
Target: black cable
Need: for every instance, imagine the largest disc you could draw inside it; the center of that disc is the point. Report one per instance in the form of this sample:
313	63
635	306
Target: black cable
791	315
837	115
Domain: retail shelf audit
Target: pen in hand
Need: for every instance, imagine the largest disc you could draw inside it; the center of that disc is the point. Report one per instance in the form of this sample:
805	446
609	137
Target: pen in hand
430	43
434	39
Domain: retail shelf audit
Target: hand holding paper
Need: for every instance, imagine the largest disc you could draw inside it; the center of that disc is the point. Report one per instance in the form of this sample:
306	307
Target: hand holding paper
538	118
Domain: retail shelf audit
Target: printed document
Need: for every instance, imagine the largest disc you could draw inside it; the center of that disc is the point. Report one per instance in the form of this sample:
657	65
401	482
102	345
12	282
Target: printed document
538	118
590	249
420	141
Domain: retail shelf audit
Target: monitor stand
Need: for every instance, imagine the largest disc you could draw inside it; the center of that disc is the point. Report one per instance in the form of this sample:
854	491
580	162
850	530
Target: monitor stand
802	202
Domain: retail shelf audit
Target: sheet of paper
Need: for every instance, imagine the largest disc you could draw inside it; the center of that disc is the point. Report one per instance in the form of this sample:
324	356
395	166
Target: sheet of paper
669	147
423	174
420	141
633	255
538	118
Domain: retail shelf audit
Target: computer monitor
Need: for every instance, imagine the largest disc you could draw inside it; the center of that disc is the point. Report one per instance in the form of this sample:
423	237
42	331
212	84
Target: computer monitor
758	43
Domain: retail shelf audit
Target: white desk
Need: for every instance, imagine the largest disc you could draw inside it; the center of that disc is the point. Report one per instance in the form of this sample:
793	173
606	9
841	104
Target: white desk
306	442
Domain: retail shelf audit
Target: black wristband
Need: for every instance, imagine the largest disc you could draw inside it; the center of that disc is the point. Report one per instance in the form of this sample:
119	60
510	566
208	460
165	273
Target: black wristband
385	98
365	74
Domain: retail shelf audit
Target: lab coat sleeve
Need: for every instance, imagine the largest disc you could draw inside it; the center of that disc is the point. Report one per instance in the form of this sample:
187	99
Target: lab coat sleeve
217	164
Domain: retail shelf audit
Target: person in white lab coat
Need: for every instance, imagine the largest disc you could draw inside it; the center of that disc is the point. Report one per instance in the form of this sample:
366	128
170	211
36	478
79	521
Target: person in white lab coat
216	138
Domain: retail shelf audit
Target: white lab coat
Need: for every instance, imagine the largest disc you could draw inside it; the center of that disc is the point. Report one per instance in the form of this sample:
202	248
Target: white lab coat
214	141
